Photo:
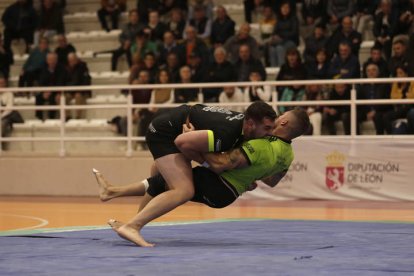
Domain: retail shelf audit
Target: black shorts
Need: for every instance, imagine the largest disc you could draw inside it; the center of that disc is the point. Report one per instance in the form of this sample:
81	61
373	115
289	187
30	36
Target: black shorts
163	130
210	188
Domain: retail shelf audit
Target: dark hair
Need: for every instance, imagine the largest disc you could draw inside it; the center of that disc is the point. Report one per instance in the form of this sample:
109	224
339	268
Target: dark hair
259	110
302	122
159	74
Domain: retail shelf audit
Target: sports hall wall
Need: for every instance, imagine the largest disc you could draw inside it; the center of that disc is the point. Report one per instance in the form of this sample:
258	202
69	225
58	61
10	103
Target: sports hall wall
324	168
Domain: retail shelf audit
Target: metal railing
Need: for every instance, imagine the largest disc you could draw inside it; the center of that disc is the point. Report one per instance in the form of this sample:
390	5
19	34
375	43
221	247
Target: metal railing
129	106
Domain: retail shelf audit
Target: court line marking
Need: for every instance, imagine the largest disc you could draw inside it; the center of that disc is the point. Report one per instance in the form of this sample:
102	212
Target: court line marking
175	223
43	222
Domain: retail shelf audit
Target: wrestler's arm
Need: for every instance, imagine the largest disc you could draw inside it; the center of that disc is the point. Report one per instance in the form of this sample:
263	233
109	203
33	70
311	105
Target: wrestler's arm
219	162
273	180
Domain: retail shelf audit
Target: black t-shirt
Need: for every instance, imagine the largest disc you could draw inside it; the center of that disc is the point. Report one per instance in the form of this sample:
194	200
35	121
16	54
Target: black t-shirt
226	126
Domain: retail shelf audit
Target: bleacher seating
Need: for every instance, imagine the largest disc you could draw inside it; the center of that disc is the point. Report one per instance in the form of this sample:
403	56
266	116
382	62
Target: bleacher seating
84	32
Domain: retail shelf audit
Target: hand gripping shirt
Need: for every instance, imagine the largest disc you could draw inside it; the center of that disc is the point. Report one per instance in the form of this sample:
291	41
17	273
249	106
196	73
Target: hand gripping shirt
266	156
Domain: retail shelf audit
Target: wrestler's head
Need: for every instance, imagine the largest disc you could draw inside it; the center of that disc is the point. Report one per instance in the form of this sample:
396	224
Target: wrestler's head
259	120
292	124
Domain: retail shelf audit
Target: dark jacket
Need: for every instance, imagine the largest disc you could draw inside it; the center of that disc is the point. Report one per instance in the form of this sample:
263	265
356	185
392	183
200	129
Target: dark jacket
221	31
52	19
350	65
56	78
340	8
15	18
382	66
288	73
287	28
314	9
243	69
62	53
312	45
130	31
177	30
316	72
373	91
79	75
354	39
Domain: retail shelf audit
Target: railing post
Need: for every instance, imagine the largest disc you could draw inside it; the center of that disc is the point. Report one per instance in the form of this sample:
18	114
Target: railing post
353	112
200	95
62	112
129	123
274	98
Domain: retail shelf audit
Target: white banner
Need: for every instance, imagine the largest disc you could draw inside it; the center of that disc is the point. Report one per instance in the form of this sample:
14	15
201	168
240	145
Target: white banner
346	169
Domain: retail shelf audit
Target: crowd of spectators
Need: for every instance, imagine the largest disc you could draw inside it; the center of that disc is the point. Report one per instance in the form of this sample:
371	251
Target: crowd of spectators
180	41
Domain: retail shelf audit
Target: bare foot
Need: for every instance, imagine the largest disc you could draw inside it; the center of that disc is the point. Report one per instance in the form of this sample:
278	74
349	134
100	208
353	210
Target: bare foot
115	224
104	193
132	234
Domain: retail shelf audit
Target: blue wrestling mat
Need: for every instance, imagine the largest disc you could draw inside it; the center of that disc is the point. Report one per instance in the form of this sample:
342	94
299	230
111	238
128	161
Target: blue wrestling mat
248	247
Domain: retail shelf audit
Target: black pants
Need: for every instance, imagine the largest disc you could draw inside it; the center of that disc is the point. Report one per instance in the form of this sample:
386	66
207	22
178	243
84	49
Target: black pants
10	35
210	189
392	115
40	100
330	120
117	54
103	13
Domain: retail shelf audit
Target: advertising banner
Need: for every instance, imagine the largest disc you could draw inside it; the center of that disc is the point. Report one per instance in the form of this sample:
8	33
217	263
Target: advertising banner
347	169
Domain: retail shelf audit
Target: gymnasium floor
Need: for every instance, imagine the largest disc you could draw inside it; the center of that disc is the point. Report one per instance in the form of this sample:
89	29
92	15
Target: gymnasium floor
68	236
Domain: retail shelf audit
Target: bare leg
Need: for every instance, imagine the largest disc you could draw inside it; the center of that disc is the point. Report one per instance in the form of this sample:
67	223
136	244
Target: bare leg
107	191
145	200
176	170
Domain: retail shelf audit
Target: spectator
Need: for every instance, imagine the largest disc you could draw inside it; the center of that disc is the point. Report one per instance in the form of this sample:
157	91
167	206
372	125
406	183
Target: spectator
155	28
252	6
385	26
148	64
411	55
53	74
6	59
345	65
345	33
314	93
208	6
161	95
331	114
401	90
338	9
78	75
314	42
127	36
370	91
34	64
313	14
172	66
201	23
267	23
257	93
144	7
292	69
276	4
184	95
365	10
377	59
198	69
64	49
243	37
285	35
142	116
50	21
177	23
220	70
193	44
113	9
246	63
20	21
9	116
222	27
405	23
319	68
142	46
231	94
169	45
399	58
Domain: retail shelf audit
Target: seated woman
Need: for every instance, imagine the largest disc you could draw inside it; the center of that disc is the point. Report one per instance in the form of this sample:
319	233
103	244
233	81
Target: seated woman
399	90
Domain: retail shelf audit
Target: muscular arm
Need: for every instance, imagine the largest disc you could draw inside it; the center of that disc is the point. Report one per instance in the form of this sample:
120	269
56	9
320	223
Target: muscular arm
233	159
273	180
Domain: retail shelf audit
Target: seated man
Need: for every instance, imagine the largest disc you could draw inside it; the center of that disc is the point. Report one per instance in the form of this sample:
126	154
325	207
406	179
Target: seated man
229	174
